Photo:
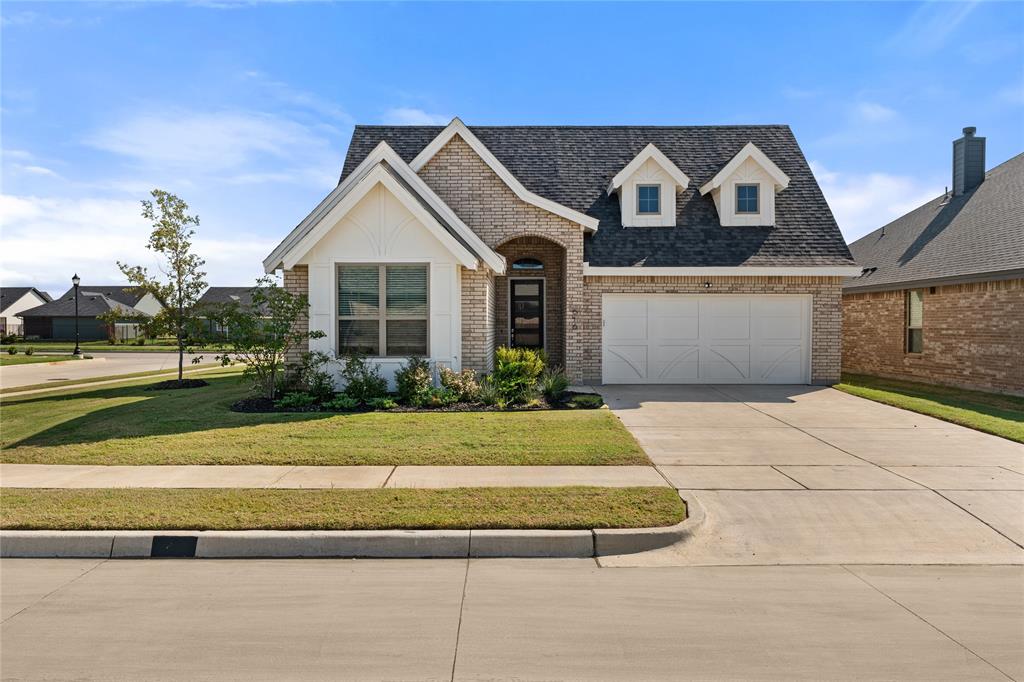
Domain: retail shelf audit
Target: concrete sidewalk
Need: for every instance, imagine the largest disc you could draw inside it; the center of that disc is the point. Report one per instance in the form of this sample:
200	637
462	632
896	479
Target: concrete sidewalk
199	476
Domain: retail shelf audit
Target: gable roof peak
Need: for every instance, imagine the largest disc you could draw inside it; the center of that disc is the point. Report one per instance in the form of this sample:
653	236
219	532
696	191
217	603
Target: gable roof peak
749	151
650	152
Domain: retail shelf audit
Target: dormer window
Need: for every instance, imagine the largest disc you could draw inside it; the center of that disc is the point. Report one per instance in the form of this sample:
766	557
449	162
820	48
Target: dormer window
746	199
648	199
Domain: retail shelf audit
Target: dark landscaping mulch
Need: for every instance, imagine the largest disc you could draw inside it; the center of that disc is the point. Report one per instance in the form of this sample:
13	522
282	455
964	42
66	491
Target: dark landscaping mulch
265	405
174	383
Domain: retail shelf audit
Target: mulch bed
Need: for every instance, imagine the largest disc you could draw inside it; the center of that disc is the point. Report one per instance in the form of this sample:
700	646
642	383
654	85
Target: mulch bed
174	383
262	405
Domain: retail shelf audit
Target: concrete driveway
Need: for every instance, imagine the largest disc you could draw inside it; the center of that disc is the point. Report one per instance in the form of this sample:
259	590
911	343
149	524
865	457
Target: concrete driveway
809	475
101	365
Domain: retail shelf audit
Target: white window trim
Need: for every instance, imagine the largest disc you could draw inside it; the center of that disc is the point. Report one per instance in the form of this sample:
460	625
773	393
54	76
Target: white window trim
656	185
736	198
382	316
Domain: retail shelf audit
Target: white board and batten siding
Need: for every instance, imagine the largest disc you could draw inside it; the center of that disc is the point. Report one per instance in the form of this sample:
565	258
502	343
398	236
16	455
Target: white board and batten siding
706	339
380	229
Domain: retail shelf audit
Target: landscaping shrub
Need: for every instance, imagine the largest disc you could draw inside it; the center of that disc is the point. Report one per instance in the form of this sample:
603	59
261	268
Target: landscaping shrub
87	357
295	401
463	384
30	350
382	404
516	372
553	384
363	380
313	378
343	403
441	397
489	394
586	401
415	382
12	351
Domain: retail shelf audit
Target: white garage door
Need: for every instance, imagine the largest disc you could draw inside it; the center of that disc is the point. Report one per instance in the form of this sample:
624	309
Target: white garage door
709	339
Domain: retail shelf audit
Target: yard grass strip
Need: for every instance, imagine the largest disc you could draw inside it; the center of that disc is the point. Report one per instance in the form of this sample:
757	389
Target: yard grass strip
111	378
260	509
126	424
8	360
1000	415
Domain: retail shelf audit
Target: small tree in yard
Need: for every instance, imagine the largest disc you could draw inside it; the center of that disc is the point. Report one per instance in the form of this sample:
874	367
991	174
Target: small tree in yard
261	335
182	282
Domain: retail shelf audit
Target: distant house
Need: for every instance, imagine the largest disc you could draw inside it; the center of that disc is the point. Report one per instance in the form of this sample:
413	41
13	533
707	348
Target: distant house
56	319
217	298
941	295
14	300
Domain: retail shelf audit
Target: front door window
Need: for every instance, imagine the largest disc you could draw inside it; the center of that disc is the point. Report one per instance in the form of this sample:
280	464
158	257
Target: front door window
527	310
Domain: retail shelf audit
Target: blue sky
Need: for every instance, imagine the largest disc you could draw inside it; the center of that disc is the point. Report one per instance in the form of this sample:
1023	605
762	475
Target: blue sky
245	108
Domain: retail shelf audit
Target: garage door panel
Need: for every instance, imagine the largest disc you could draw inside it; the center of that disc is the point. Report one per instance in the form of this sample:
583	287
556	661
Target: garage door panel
706	338
675	364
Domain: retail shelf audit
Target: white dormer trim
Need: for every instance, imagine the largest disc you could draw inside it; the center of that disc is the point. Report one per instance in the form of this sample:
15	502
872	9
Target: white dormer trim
306	233
457	127
750	166
647	153
649	167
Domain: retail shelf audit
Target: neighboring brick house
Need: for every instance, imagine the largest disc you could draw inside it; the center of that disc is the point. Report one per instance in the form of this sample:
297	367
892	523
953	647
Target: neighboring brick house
941	294
702	254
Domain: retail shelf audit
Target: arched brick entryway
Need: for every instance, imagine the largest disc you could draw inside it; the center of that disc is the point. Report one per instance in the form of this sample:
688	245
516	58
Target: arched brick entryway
551	256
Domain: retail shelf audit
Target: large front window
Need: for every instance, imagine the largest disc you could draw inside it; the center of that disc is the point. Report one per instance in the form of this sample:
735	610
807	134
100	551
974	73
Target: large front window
382	310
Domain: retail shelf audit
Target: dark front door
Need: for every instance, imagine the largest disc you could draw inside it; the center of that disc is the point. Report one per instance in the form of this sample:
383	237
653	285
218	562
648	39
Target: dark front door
527	299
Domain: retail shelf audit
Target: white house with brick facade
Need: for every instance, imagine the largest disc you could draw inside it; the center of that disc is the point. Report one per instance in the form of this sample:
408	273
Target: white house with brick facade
702	254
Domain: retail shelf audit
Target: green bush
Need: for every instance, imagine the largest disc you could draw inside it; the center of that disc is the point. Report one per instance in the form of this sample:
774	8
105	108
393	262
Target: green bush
415	382
12	351
588	401
30	350
141	341
344	403
87	357
553	384
489	394
463	384
296	400
313	378
516	372
363	380
382	404
441	397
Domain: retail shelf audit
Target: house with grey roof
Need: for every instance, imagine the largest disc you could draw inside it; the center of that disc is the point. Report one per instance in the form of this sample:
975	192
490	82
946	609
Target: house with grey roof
56	319
218	299
940	295
630	254
14	300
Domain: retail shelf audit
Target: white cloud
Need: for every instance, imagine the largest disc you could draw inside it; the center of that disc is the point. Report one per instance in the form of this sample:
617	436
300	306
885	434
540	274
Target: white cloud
862	202
206	142
47	239
414	117
1013	94
930	26
874	112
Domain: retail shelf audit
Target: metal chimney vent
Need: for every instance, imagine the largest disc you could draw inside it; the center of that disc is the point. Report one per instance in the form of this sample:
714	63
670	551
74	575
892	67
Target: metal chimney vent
968	162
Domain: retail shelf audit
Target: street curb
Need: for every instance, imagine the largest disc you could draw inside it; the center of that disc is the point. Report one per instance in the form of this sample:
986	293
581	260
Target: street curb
362	544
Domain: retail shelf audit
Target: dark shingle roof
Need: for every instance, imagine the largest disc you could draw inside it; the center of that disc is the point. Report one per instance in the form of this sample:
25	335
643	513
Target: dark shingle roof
90	304
977	233
9	295
217	295
122	293
573	165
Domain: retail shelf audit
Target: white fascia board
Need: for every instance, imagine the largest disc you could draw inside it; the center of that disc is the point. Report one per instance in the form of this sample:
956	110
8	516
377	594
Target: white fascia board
376	176
749	151
457	127
382	152
738	271
649	152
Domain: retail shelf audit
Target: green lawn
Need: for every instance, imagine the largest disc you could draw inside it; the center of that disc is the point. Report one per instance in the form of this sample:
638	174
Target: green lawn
125	424
230	509
1001	415
21	359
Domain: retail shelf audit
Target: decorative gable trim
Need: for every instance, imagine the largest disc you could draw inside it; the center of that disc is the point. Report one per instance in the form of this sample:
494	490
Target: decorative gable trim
650	152
464	243
457	127
749	151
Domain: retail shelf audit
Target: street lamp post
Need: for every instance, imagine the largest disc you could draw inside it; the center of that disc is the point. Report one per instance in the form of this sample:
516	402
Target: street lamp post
75	280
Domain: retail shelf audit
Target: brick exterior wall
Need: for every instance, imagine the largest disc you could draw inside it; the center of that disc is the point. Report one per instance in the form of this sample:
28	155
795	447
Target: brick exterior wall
973	336
492	210
553	258
478	319
826	313
296	281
